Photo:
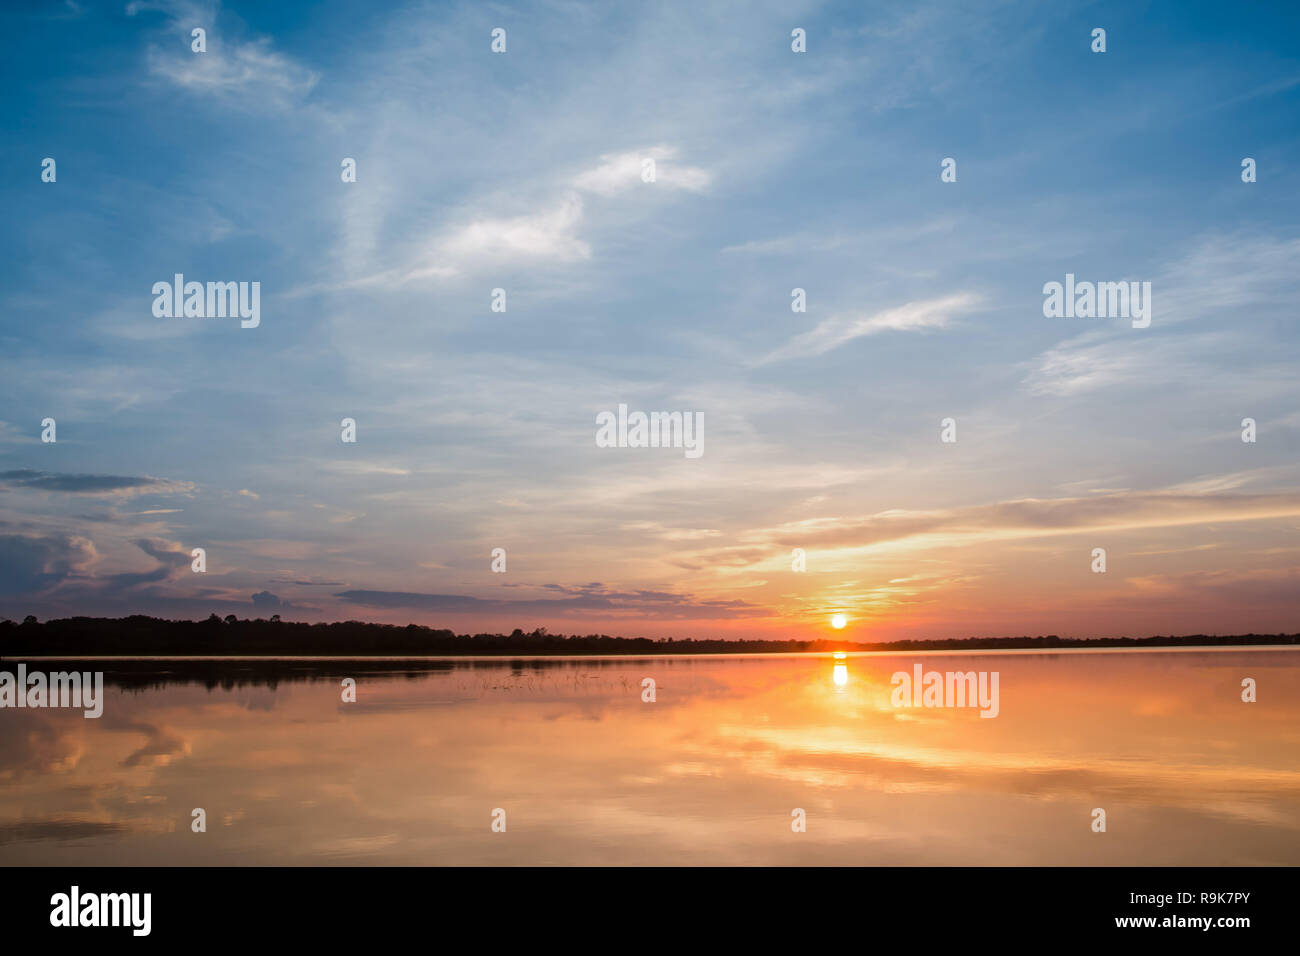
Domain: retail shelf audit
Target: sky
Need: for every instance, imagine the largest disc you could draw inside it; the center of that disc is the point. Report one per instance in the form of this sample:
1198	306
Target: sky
774	170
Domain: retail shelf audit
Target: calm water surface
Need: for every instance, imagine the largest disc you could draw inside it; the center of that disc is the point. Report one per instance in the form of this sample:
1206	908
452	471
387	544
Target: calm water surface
707	774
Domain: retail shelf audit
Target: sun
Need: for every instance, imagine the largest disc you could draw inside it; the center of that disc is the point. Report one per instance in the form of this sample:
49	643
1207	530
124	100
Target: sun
838	621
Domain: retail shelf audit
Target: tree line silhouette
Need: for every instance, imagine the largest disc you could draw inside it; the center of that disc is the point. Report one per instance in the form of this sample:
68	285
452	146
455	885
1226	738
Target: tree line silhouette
139	635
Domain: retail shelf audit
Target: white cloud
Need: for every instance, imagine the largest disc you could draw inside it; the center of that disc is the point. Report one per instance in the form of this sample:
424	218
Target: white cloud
619	172
548	234
1089	362
838	329
247	70
544	236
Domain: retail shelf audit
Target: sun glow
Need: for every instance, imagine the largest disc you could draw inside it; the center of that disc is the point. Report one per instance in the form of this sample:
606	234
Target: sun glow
838	621
840	671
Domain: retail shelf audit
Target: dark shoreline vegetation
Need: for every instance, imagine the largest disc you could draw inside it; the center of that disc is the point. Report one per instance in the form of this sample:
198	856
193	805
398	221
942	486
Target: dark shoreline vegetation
142	636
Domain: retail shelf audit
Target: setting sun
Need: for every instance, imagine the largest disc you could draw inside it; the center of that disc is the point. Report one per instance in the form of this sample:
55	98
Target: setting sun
838	621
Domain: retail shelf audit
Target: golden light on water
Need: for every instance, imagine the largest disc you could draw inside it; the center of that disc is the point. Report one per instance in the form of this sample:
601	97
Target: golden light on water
840	672
838	621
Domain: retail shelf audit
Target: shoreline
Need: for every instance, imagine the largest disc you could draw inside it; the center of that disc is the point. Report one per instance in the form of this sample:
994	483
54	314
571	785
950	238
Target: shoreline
828	655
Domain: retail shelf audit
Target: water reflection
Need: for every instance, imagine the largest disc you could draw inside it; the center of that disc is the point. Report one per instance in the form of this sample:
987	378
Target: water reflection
707	773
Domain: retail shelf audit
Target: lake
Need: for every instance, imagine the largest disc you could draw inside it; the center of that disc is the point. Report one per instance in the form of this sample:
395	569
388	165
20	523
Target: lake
712	771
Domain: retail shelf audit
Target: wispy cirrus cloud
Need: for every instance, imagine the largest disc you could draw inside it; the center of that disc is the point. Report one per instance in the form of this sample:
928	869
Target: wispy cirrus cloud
1022	518
548	234
1219	277
925	316
619	172
1038	516
247	71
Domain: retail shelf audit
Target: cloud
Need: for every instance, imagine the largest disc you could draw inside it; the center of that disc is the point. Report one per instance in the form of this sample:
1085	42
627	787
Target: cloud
248	71
45	831
1188	344
265	599
545	235
590	597
1036	516
619	172
1089	362
539	237
802	243
31	563
1022	518
1227	274
91	484
242	70
831	333
12	435
171	558
1255	587
854	242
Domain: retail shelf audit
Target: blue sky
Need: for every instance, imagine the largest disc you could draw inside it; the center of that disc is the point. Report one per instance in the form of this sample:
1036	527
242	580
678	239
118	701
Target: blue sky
775	170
